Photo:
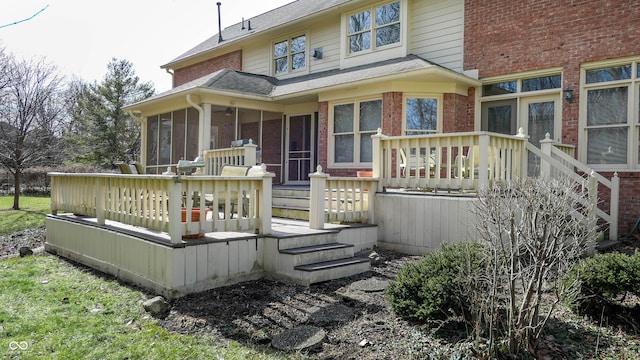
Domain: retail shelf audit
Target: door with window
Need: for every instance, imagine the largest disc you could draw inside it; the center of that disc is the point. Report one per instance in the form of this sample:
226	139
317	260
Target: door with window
300	148
538	116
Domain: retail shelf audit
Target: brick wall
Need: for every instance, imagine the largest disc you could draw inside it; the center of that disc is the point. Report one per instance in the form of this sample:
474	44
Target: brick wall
392	113
232	61
457	112
506	36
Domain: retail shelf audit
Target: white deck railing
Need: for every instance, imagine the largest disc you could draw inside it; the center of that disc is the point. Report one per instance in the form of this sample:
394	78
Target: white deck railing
162	202
558	160
340	199
453	161
246	155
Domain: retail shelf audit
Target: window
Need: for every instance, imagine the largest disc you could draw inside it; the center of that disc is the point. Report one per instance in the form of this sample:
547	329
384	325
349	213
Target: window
352	142
421	116
374	28
171	137
289	55
499	108
611	129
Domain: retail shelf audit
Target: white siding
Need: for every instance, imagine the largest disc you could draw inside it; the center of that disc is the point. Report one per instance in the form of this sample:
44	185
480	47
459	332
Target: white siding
437	31
325	34
255	58
426	222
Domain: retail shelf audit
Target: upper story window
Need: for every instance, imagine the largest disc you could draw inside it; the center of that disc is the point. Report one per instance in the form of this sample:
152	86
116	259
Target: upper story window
373	28
421	115
290	54
611	126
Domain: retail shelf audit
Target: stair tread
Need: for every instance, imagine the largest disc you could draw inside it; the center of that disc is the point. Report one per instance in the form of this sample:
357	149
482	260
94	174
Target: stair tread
315	248
290	207
331	264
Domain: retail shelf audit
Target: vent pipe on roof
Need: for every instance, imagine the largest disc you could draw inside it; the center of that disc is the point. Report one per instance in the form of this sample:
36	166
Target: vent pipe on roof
242	24
219	24
249	21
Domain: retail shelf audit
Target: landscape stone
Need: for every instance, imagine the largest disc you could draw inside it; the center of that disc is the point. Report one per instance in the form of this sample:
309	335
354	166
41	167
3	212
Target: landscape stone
301	338
156	306
370	285
25	251
334	313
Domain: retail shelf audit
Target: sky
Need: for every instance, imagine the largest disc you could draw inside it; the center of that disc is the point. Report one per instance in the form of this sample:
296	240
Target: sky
81	36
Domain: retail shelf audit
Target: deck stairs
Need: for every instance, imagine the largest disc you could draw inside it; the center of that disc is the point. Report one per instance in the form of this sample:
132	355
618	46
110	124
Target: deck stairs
291	202
315	257
309	256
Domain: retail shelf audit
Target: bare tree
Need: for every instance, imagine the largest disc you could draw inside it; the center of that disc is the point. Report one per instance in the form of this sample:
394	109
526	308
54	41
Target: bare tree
536	229
31	112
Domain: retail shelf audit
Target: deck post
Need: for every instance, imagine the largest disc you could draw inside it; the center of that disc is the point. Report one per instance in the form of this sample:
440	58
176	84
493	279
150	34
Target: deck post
174	192
250	154
483	161
265	205
377	160
316	209
545	146
613	206
101	193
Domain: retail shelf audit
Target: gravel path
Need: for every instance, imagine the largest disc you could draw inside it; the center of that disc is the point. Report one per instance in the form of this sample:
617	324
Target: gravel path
10	244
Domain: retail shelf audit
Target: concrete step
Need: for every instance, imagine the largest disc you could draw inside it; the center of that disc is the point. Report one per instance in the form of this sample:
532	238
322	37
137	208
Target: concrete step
301	241
316	253
331	270
302	192
291	201
290	212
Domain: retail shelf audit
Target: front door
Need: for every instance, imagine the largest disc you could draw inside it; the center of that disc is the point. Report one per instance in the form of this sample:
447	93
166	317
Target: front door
300	148
540	115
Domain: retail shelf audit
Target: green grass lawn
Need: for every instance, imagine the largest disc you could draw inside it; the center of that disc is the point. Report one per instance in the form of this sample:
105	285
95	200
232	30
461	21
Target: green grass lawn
51	309
32	213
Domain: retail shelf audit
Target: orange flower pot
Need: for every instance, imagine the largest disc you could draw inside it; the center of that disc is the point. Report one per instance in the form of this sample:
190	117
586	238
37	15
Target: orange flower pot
195	214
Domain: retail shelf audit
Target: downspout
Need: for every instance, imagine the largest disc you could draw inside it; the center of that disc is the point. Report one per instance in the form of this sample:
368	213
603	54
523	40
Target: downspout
173	78
200	122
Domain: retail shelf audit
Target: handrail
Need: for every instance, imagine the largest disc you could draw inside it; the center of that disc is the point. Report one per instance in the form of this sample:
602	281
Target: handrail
550	152
214	160
157	202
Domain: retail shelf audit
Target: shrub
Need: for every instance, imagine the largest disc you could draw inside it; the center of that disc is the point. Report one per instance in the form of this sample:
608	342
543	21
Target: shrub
433	288
602	279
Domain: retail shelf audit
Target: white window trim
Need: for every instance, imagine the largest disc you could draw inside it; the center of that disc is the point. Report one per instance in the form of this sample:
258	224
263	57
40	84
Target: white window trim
633	122
440	112
389	51
290	71
519	94
356	134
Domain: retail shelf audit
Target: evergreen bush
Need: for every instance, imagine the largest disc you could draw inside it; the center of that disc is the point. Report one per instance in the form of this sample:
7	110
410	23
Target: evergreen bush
433	288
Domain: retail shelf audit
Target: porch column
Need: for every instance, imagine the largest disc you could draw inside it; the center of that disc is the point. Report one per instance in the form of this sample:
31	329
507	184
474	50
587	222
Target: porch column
192	100
205	130
316	209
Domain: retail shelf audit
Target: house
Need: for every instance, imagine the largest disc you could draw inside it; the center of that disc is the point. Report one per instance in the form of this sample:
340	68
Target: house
446	95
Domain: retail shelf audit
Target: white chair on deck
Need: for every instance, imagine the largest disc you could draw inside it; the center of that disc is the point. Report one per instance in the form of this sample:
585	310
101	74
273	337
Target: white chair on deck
416	163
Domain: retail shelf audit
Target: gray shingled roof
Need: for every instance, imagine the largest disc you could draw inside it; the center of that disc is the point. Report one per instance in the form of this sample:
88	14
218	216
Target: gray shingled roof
269	87
269	20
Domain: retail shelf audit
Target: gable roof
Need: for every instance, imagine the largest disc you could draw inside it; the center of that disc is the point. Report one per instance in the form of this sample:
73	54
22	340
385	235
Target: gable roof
296	10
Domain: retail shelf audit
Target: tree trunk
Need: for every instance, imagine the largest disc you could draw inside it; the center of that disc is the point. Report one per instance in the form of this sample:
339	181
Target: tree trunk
16	192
